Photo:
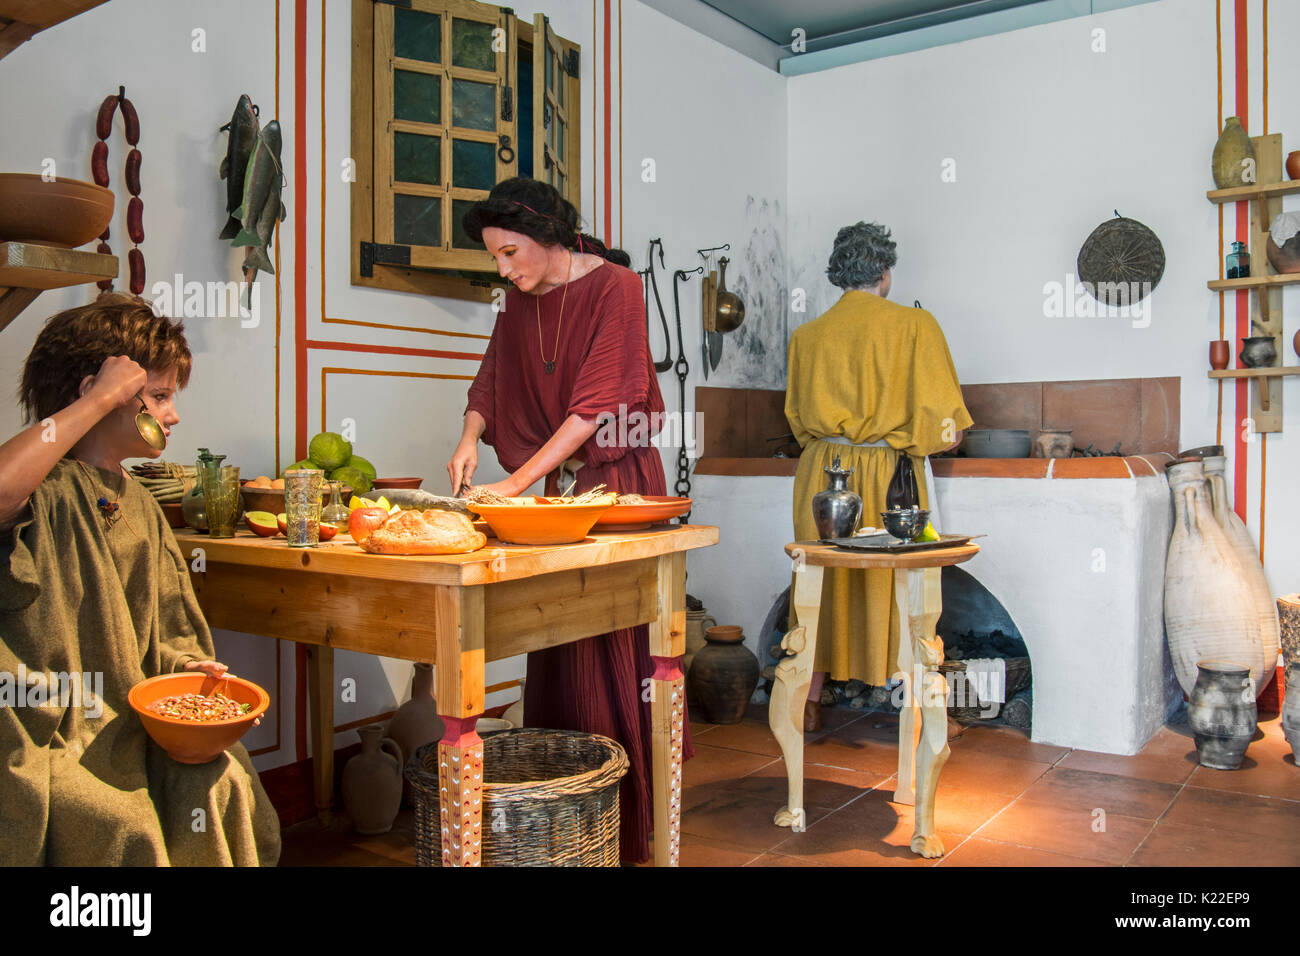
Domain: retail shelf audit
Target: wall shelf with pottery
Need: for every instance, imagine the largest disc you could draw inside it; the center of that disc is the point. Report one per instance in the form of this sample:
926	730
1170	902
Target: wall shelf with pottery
1265	199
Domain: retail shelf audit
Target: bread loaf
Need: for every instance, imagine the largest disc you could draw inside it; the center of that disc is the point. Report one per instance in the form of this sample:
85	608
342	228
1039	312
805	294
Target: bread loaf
425	532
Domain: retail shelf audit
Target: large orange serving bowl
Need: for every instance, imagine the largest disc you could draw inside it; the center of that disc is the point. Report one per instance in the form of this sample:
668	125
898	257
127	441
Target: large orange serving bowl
525	521
188	741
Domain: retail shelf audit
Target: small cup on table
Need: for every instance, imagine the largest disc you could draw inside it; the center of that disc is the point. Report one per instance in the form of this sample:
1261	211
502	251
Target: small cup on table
221	501
302	504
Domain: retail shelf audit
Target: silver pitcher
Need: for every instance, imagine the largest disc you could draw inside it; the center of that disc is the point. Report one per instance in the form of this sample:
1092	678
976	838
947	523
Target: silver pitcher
836	510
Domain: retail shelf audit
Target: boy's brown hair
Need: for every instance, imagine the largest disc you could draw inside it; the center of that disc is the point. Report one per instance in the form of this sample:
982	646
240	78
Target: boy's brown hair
74	343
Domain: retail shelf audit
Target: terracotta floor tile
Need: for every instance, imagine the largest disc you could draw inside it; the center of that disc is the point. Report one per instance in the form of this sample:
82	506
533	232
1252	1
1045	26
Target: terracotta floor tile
1069	789
1007	742
963	810
740	820
1144	766
1171	740
1262	773
833	718
826	787
870	755
697	851
778	859
746	736
711	764
872	726
990	773
1067	832
870	831
1238	812
976	851
1174	844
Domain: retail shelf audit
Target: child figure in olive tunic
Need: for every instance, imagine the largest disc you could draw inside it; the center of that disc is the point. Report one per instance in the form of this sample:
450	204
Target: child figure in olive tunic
93	586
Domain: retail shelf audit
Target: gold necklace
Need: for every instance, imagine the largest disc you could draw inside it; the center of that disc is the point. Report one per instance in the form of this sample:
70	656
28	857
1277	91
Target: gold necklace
550	365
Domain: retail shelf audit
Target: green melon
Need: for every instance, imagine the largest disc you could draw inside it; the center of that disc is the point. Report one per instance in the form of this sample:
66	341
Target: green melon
330	450
363	466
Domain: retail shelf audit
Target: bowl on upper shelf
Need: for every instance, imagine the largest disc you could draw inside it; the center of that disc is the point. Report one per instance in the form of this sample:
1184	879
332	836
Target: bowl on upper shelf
997	443
60	212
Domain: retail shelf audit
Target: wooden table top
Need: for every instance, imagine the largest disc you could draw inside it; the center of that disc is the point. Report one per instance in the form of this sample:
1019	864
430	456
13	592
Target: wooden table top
829	556
495	562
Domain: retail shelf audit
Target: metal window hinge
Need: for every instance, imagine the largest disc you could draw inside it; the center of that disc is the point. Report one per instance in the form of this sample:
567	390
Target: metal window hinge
571	63
373	253
507	104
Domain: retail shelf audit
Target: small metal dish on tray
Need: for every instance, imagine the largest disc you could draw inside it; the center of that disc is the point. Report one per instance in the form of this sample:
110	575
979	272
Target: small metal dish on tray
887	544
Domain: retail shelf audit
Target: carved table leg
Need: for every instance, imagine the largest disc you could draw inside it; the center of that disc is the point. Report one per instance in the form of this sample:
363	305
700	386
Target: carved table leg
790	689
919	594
668	707
460	784
458	622
320	698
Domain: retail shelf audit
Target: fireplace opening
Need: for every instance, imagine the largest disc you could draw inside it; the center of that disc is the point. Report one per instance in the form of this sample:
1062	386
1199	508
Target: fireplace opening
974	626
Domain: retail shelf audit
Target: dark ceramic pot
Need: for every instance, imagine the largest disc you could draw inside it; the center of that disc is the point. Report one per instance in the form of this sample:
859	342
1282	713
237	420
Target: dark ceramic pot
1257	351
1222	714
1291	710
723	676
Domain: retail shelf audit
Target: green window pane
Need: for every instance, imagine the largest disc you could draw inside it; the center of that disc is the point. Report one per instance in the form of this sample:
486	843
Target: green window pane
471	45
559	182
473	105
459	237
417	220
417	159
550	70
417	36
473	165
417	96
559	141
559	86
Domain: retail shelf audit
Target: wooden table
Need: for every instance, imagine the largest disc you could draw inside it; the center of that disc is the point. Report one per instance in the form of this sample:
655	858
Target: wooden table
459	612
922	751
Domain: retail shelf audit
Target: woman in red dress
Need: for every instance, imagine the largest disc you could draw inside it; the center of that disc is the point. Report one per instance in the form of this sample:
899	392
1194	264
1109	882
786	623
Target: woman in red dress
568	356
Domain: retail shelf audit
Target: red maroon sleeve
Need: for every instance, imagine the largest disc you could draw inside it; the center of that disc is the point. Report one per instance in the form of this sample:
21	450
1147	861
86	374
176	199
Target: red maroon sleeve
482	391
616	369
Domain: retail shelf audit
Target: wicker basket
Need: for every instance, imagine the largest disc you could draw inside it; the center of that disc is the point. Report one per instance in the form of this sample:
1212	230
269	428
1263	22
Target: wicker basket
550	798
1018	676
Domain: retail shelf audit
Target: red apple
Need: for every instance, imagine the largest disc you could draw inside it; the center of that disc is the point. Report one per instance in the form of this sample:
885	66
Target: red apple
327	531
283	521
364	520
261	523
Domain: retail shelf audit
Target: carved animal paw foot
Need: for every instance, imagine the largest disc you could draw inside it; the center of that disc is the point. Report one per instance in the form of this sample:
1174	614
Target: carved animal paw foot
785	817
930	847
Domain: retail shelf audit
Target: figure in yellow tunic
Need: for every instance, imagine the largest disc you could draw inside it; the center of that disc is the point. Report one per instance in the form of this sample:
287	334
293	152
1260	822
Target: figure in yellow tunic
869	381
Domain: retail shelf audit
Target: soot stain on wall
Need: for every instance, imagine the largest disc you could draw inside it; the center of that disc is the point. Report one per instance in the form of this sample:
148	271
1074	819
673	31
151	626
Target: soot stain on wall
754	355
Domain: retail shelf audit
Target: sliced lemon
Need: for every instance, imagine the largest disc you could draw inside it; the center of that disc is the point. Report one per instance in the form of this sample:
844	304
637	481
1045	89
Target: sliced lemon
381	503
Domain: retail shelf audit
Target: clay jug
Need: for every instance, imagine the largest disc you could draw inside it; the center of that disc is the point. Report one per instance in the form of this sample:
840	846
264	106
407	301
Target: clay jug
372	782
1244	547
1293	164
1230	152
416	722
1291	710
697	622
1222	714
723	676
1209	607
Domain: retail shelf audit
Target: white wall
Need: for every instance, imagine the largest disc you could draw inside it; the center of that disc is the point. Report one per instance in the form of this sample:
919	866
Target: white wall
1048	138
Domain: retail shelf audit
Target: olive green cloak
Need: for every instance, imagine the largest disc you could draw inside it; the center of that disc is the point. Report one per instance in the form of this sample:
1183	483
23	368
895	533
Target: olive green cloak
87	788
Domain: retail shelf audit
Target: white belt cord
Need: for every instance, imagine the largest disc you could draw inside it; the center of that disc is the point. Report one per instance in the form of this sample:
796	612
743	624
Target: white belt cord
930	493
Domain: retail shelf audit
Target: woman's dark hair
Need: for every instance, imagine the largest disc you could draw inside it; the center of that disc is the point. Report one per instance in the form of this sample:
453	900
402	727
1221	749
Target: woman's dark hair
862	253
537	210
74	343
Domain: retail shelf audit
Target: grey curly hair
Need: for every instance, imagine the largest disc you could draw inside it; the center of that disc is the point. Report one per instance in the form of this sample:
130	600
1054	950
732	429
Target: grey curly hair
860	256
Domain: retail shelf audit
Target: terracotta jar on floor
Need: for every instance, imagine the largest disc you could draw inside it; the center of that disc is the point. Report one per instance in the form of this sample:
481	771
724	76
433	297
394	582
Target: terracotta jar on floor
723	676
416	722
372	782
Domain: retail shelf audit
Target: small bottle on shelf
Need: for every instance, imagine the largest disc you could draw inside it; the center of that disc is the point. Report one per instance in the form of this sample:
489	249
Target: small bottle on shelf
1238	262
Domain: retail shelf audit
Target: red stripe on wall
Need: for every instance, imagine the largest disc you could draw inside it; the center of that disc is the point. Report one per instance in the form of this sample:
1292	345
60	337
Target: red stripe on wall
609	238
1241	55
393	350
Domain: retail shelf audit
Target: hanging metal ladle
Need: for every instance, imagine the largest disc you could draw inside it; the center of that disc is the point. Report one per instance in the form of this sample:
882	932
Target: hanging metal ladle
149	428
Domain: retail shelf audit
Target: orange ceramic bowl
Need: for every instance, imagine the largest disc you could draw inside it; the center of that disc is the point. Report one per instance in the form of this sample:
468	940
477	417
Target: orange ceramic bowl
379	484
528	522
188	741
656	510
